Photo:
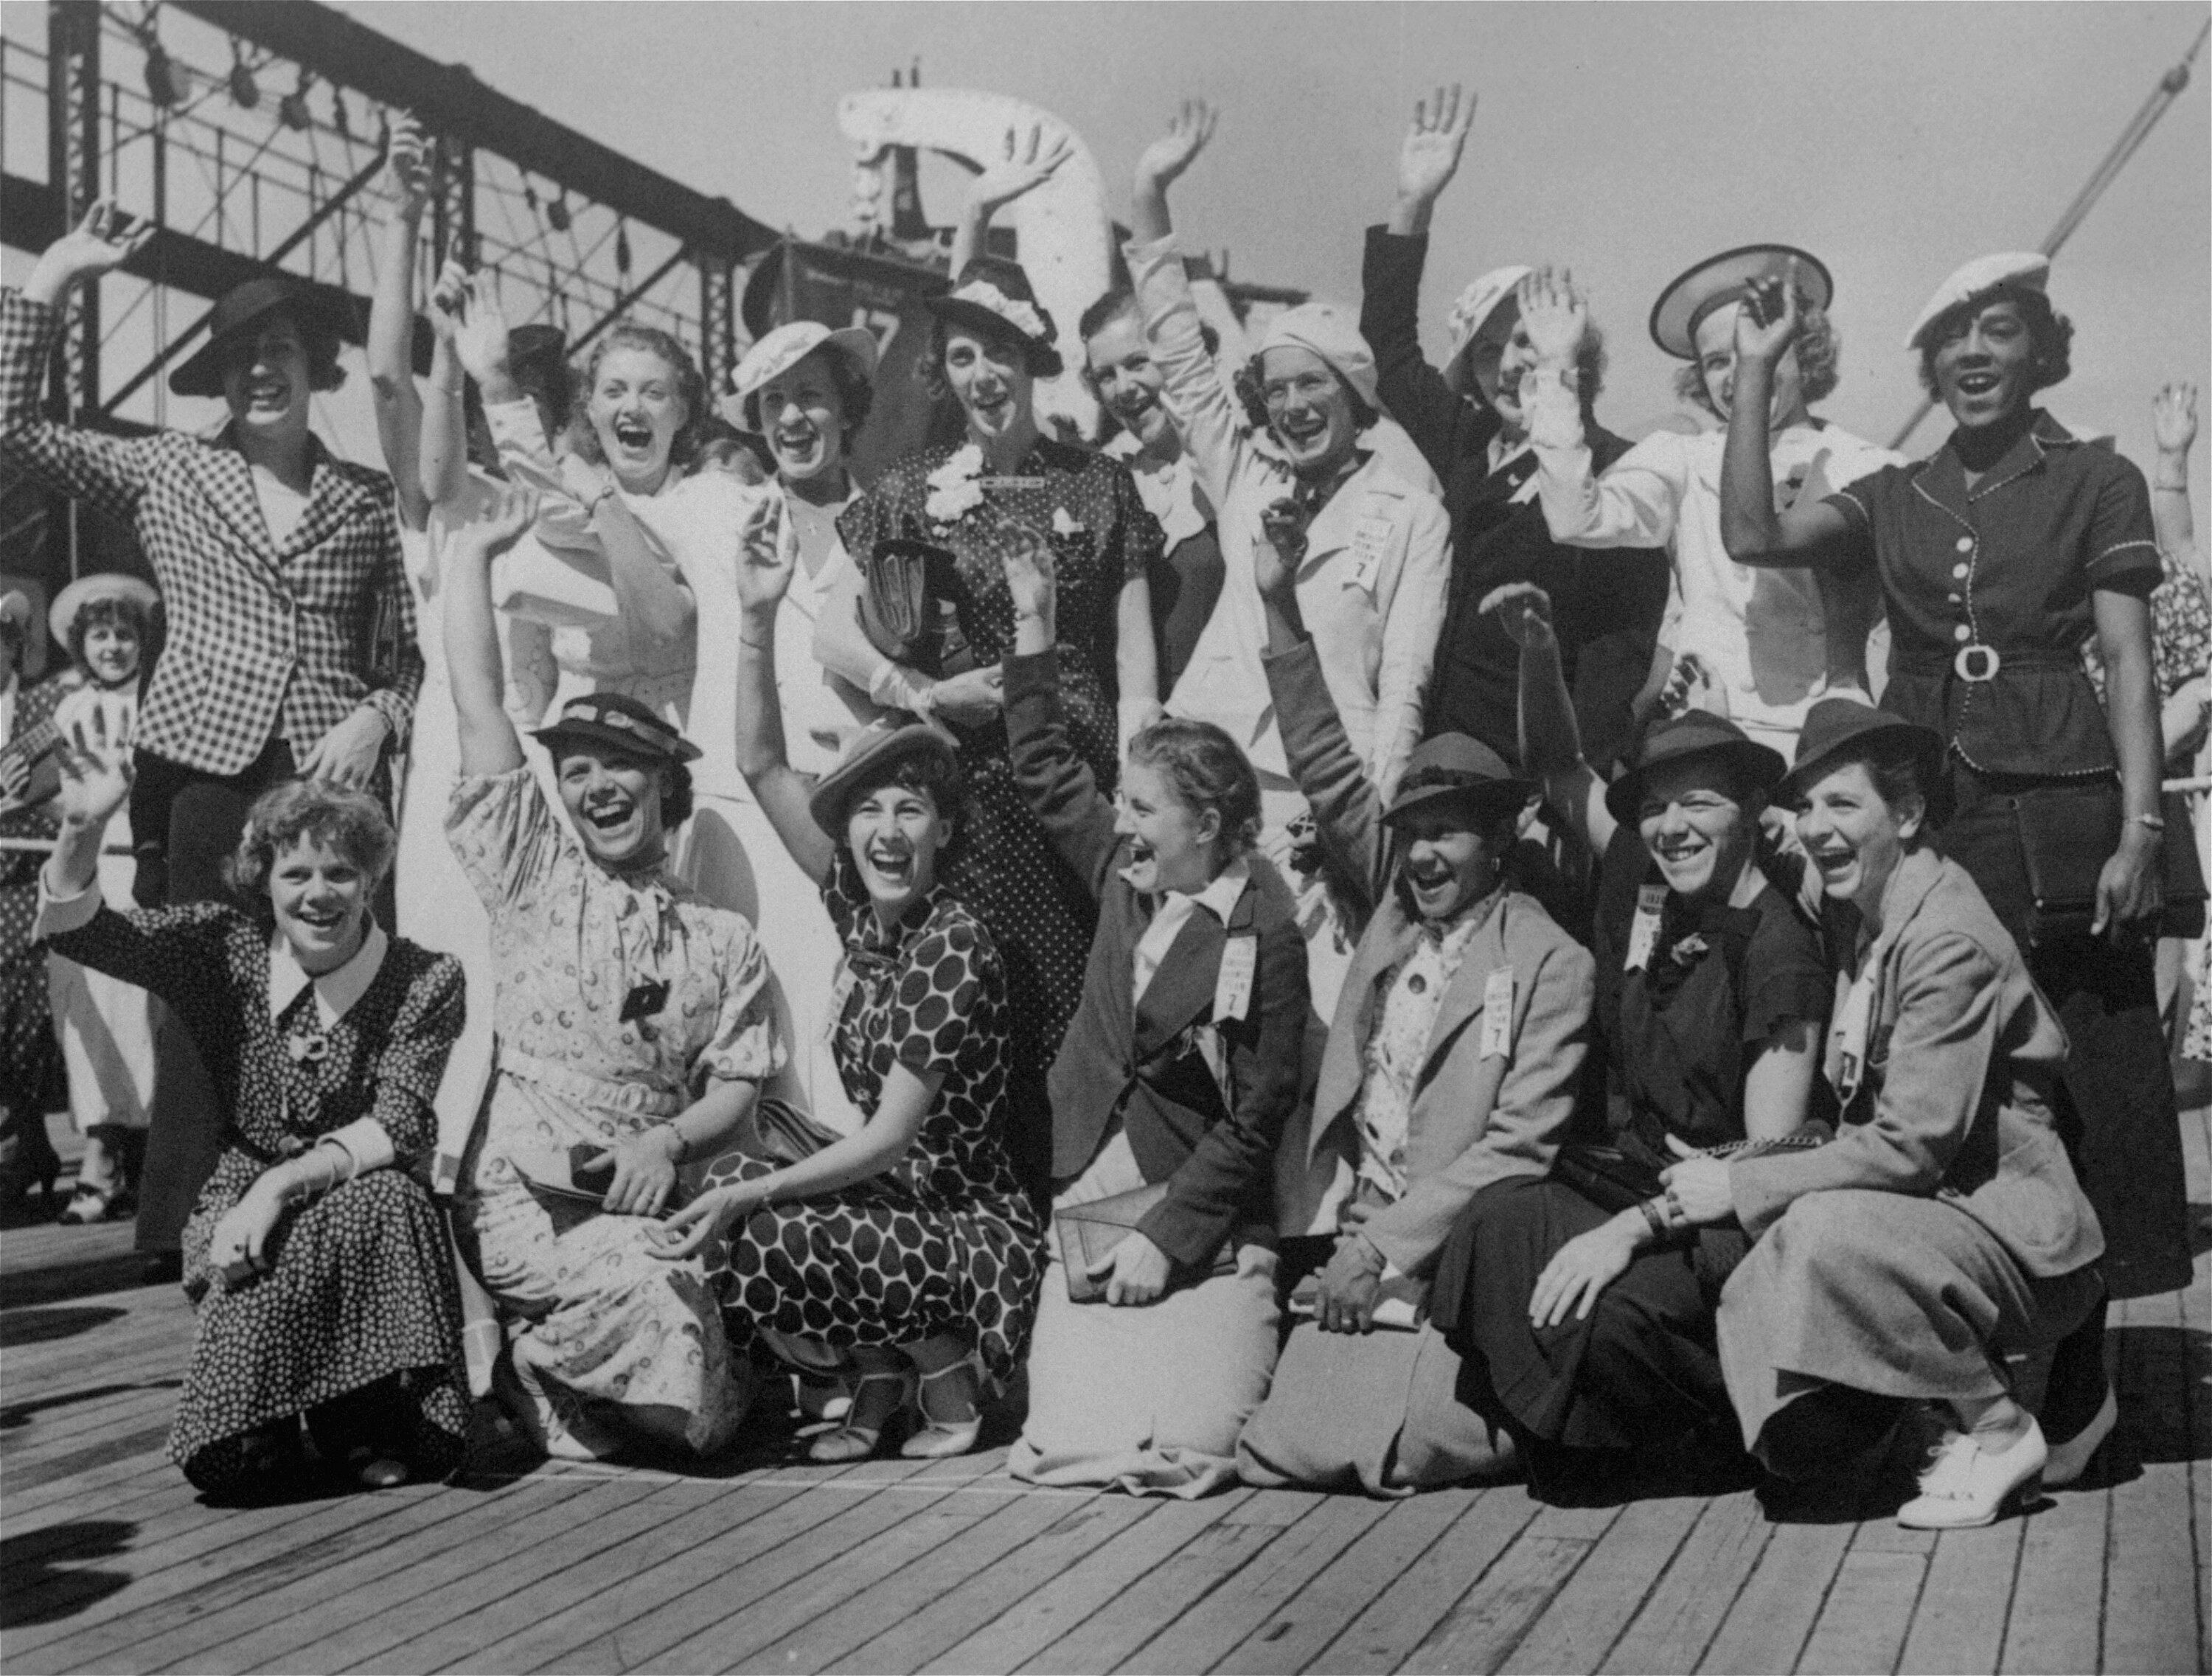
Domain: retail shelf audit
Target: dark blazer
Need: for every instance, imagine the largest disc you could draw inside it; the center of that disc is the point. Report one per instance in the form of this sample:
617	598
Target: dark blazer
1605	606
1143	1060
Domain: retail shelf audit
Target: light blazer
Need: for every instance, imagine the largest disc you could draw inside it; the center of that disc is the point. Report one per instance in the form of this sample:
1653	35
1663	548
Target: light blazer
1961	1052
1474	1120
1143	1060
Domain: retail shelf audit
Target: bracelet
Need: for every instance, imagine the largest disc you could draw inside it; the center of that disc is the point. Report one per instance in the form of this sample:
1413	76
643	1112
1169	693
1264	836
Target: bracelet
2155	823
1658	1222
2173	489
683	1146
752	644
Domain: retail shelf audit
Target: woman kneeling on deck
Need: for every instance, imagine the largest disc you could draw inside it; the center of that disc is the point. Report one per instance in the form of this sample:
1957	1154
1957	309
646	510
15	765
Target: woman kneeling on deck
317	1262
907	1250
1452	1065
1157	1326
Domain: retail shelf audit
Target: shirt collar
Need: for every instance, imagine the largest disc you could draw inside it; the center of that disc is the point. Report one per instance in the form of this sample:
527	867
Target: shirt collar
335	992
1218	898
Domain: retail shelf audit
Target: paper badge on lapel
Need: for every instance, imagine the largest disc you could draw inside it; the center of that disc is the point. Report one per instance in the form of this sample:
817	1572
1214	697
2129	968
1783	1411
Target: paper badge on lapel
1233	982
1498	1014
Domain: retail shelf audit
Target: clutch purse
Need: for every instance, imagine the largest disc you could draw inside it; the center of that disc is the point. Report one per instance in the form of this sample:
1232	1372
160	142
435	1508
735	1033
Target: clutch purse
1614	1180
783	1134
1088	1233
905	607
2067	834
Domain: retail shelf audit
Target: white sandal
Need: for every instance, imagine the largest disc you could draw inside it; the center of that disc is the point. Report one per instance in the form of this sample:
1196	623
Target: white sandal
937	1440
848	1440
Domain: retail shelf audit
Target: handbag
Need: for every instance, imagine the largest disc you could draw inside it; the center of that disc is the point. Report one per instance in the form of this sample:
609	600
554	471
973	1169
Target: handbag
907	610
2067	834
780	1132
1088	1233
1614	1180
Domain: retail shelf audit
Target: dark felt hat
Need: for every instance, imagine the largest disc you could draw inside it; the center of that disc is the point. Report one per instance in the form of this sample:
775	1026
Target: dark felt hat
994	295
1694	734
873	751
243	311
1454	765
1720	280
1836	727
613	718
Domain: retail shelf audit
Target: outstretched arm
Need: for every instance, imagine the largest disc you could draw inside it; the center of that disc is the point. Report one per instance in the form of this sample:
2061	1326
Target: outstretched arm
763	578
444	463
2173	419
1550	739
1429	157
392	319
1028	164
489	743
1751	529
1054	780
1163	161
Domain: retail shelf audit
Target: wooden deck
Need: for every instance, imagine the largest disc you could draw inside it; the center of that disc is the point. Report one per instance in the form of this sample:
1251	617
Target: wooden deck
108	1561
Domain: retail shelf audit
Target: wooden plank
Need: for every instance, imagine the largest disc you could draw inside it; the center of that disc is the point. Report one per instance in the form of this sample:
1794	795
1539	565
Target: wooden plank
1863	1622
1017	1636
1578	1629
124	1403
2151	1574
144	1438
1676	1622
1209	1631
1298	1632
1959	1622
1766	1628
1410	1608
1085	1523
2057	1596
20	1505
1491	1619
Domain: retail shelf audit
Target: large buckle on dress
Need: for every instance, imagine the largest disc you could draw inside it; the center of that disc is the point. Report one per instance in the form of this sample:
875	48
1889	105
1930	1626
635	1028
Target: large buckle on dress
1977	663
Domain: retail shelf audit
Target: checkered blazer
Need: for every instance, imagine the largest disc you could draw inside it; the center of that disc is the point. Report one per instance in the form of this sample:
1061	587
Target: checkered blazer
261	638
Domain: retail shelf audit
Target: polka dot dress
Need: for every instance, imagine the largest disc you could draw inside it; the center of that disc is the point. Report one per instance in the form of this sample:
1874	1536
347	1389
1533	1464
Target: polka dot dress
945	1241
361	1287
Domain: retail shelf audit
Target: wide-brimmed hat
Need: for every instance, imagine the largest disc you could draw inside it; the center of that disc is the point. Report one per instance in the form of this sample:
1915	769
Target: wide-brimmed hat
2016	269
61	615
1332	333
1456	766
1474	309
615	718
994	294
1695	735
871	753
1838	726
244	310
783	349
1720	280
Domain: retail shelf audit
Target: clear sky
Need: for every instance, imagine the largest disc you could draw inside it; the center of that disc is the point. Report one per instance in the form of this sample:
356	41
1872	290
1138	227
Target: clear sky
1894	140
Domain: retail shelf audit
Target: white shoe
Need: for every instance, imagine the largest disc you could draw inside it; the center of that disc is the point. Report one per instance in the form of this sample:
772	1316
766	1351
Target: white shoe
1966	1485
2069	1459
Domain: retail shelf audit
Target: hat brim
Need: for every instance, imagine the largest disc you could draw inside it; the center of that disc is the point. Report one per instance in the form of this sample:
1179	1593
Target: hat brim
855	344
1497	798
1793	785
1721	279
202	374
1044	357
629	745
1752	764
61	615
835	790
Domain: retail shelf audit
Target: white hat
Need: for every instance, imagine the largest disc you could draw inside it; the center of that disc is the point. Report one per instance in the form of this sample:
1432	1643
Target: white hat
1476	305
784	348
1331	333
61	615
2023	270
16	608
1719	280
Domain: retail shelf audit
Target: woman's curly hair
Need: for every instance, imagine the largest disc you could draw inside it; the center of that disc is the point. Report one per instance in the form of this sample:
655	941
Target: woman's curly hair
123	612
1819	362
919	771
2050	333
1206	770
351	823
690	390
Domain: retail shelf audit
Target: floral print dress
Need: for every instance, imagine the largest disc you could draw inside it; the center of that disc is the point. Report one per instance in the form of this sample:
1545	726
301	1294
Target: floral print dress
616	993
945	1242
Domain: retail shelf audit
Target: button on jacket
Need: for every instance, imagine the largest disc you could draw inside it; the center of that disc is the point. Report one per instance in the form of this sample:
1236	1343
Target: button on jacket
2010	565
1605	608
263	638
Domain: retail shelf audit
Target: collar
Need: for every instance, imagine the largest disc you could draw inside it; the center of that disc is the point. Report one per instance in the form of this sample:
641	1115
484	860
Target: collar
875	940
2026	454
1438	932
335	992
1219	897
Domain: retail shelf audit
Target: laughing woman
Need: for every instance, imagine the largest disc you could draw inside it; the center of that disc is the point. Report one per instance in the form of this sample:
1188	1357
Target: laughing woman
1156	1324
908	1249
620	994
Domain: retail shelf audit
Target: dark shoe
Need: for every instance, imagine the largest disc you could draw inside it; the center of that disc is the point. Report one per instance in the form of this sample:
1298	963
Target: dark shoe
89	1204
30	1160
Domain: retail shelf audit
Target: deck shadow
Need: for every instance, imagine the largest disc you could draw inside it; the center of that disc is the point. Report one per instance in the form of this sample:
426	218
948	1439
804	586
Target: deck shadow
35	1589
19	1327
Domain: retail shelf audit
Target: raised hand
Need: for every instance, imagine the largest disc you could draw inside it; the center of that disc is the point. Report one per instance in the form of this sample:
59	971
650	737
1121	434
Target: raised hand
480	337
1275	562
447	297
1522	609
1027	165
407	182
1768	323
765	559
1030	575
1692	685
1188	131
106	238
1554	314
1429	155
499	523
2173	418
94	755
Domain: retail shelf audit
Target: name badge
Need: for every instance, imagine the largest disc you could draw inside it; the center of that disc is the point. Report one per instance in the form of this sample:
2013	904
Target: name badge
1232	982
1498	1014
1369	544
1011	482
1643	935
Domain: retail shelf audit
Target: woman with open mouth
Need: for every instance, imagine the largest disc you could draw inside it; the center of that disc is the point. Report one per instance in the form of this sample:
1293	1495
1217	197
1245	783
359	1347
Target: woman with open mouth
903	1256
1157	1322
634	1030
1942	1233
317	1263
1593	1321
973	500
1998	557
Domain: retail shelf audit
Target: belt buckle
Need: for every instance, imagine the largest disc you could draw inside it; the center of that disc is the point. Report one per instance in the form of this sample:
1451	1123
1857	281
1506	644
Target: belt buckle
1970	665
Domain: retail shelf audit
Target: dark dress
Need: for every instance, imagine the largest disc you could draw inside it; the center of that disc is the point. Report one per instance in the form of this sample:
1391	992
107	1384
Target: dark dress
32	1083
1038	913
945	1242
362	1293
2011	566
1680	1035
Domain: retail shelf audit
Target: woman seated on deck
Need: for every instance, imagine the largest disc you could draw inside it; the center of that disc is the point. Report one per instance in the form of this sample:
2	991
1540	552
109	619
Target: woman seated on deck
316	1260
634	1030
1588	1322
907	1248
1157	1325
1943	1227
1452	1064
